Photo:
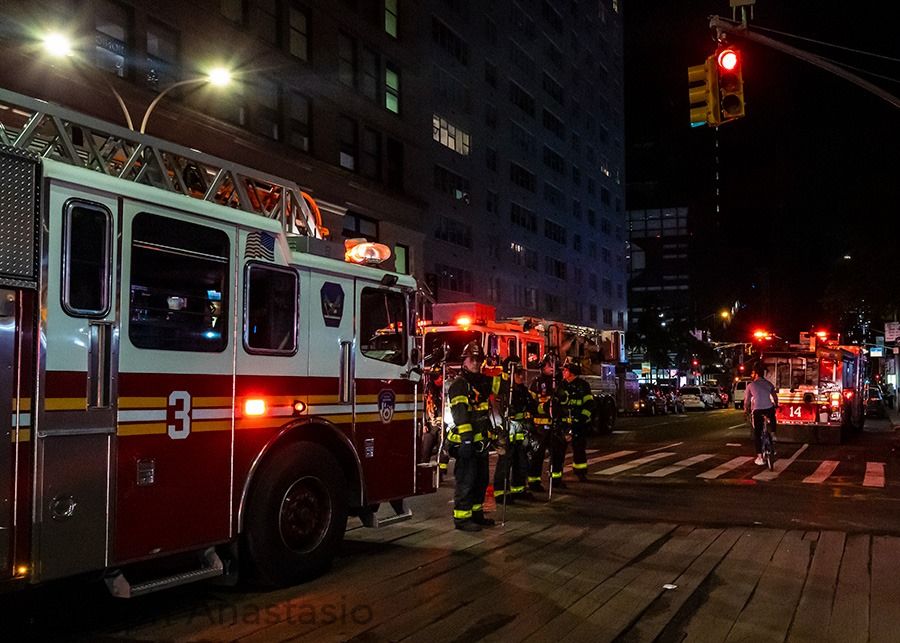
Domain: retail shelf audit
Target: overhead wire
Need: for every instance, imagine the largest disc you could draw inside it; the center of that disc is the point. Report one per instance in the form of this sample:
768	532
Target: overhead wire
827	44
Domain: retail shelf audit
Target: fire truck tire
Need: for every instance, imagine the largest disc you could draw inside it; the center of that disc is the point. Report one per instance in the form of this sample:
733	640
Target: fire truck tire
296	516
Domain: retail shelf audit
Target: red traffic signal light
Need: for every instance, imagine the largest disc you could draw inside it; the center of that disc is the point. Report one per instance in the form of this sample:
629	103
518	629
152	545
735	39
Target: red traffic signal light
728	59
695	363
730	84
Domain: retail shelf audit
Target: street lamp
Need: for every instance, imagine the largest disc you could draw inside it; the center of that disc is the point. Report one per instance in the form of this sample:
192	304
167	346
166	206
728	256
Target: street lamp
59	45
218	77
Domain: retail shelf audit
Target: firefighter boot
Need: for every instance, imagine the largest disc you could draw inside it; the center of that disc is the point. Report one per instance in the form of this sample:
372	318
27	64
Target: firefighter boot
466	525
527	496
581	474
480	521
536	487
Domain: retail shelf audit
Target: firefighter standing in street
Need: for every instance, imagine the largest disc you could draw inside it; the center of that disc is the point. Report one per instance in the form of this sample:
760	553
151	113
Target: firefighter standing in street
574	401
468	397
513	462
542	388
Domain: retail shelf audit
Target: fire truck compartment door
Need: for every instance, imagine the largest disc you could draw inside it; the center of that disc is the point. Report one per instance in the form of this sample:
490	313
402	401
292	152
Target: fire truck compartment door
7	425
77	410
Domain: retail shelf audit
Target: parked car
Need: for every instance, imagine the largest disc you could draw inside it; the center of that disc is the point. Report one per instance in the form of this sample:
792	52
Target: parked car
652	401
875	404
673	398
717	399
693	398
739	392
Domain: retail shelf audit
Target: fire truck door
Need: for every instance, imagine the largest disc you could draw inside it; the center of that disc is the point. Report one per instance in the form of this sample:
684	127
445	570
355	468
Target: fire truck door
76	417
385	418
8	423
331	349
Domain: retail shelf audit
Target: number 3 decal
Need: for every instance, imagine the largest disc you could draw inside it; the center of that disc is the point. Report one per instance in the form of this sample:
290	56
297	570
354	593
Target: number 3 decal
179	410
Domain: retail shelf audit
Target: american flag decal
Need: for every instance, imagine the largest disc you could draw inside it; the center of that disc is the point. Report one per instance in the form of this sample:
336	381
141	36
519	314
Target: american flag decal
260	245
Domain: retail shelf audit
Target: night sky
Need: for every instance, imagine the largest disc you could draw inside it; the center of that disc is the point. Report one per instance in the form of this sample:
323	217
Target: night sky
809	175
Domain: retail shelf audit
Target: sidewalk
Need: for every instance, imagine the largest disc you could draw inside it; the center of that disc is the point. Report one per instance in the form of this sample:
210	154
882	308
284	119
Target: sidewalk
894	416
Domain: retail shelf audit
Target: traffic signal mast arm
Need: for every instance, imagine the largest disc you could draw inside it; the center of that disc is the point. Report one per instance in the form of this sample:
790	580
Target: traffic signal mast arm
738	30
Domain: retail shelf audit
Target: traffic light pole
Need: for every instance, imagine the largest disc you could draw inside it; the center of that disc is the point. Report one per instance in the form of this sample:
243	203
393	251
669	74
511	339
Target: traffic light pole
722	25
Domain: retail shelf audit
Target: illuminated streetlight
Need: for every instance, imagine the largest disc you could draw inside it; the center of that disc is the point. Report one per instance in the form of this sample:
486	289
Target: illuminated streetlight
218	77
57	45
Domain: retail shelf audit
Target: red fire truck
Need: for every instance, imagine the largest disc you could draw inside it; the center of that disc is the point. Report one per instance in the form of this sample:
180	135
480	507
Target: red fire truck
456	324
821	389
192	375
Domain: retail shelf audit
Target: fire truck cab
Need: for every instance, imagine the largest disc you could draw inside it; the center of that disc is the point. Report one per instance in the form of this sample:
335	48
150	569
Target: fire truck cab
821	391
193	377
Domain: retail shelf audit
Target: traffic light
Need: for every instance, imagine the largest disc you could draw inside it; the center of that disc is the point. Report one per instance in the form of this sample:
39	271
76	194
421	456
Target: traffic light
703	94
695	363
730	84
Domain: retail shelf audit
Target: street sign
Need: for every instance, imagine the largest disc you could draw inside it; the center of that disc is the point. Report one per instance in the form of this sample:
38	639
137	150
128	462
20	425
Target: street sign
891	331
876	351
645	368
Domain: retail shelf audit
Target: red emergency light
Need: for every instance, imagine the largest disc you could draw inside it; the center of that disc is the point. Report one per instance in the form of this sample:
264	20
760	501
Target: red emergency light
463	320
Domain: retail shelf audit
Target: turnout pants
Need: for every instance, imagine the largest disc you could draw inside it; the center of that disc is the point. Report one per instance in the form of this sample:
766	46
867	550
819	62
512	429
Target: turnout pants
513	462
539	443
579	450
558	447
471	473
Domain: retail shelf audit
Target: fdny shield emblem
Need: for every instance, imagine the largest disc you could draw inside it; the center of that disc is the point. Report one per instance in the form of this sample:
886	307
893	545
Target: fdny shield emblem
386	401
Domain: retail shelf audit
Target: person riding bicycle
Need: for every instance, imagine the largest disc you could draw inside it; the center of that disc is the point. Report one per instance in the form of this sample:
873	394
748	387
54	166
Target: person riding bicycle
760	401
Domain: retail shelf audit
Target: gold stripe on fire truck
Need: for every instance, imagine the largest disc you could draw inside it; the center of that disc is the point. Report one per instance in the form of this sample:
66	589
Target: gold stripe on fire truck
24	436
199	426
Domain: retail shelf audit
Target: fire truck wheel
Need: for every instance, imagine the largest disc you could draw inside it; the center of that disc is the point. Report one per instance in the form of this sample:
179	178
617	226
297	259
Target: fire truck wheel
296	516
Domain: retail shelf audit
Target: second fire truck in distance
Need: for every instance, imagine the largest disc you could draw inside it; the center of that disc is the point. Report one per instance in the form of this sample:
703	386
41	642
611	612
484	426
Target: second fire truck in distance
456	324
821	389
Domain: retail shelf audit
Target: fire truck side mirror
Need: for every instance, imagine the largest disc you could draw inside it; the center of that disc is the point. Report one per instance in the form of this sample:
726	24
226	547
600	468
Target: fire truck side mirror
414	374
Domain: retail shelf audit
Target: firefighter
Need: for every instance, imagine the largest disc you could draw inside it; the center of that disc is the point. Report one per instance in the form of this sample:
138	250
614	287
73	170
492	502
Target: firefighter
434	421
541	389
574	401
513	461
468	397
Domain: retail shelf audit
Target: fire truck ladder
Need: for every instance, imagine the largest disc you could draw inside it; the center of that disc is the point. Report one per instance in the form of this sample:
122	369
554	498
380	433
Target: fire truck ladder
54	132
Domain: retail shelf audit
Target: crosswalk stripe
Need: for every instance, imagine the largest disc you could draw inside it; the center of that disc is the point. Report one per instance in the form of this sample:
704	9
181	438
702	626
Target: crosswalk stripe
780	465
722	469
609	456
874	474
668	446
634	464
822	473
678	466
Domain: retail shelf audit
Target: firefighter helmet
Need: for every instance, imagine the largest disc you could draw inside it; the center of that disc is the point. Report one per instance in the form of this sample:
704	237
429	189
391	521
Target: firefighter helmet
473	350
546	360
572	365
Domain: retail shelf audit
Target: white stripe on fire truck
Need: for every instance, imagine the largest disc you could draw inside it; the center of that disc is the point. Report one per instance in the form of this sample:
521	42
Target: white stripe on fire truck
24	419
327	409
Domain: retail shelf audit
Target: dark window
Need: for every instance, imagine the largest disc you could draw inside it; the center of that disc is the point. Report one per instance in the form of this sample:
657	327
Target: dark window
523	217
490	158
357	226
554	231
179	285
554	160
346	60
604	196
86	260
522	177
490	116
490	73
521	99
492	202
383	325
555	125
451	183
551	16
553	88
264	111
112	36
490	31
162	55
298	130
552	194
348	143
370	159
270	324
266	20
447	39
298	33
233	10
394	164
455	279
370	73
453	231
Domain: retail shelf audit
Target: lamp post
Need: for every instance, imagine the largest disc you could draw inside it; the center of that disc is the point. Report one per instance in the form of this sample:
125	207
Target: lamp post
58	45
218	77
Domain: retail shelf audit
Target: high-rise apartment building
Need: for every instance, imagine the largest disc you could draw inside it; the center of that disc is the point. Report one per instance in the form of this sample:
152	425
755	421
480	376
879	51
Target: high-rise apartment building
482	141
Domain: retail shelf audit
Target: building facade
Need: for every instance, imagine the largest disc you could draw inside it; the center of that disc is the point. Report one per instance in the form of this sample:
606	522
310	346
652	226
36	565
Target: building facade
526	210
483	142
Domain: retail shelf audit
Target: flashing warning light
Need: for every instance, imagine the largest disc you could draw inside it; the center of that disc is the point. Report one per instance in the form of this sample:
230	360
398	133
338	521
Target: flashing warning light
367	253
821	334
254	407
695	363
741	368
299	407
848	394
728	59
464	320
761	334
22	570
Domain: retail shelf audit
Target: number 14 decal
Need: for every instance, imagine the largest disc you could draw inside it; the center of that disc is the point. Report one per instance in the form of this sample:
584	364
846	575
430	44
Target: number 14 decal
178	415
794	411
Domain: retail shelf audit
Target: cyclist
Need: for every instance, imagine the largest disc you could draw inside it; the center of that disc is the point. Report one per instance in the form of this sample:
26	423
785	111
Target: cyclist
760	401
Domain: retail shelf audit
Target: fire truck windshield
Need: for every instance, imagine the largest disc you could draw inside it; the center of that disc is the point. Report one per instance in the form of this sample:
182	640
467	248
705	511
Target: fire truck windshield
456	340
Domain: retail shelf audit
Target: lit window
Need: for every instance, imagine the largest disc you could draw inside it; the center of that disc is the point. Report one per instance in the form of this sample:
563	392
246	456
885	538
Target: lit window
449	135
392	88
390	17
